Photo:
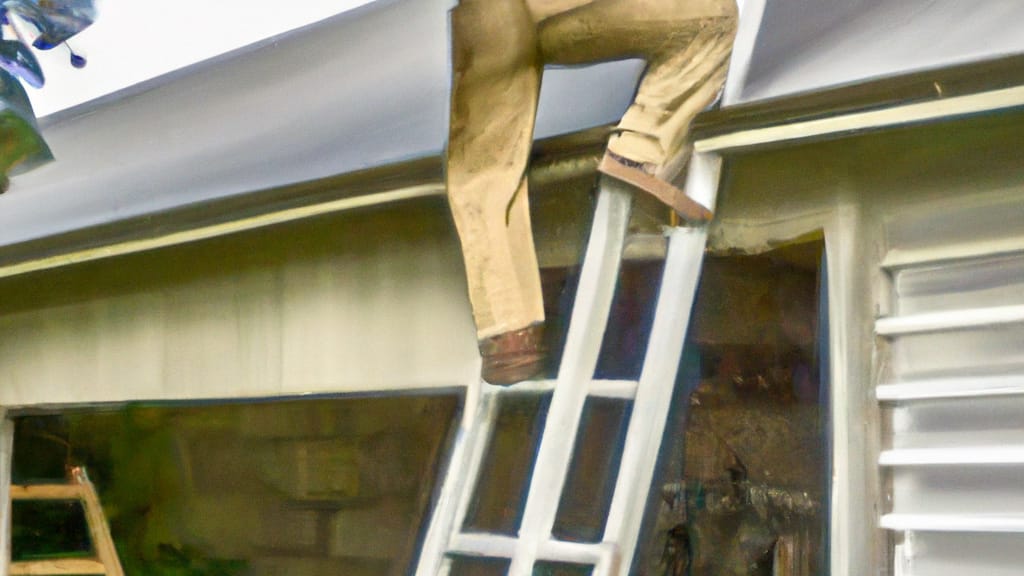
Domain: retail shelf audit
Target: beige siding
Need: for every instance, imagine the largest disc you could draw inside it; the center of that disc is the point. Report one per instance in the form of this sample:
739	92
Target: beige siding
364	301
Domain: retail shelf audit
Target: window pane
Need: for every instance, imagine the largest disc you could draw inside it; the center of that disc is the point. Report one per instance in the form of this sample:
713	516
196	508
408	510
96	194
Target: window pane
630	319
561	569
500	495
745	465
462	566
559	290
587	496
315	486
48	529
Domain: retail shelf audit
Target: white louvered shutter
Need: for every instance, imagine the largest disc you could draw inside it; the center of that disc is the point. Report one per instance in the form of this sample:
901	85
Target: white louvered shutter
952	392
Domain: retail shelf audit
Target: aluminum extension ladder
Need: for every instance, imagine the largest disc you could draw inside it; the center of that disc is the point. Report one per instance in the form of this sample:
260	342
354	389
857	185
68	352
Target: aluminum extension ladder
651	395
81	489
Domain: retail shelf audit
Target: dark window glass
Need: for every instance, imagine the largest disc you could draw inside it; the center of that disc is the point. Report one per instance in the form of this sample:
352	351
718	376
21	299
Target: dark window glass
561	569
501	490
559	290
744	469
590	484
312	486
479	566
44	529
629	321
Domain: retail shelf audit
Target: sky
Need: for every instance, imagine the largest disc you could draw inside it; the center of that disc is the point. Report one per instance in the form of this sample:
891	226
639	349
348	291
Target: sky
135	40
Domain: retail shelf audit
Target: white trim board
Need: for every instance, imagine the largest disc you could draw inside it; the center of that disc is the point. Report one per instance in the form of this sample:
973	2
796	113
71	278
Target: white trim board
220	229
871	120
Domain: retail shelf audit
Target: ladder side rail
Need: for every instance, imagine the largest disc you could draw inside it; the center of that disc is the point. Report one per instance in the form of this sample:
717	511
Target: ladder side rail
598	278
651	406
654	395
106	552
459	481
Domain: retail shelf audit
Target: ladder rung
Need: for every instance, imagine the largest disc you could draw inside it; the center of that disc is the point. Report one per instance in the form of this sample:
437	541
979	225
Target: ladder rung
46	492
622	389
63	566
962	387
490	545
949	320
498	546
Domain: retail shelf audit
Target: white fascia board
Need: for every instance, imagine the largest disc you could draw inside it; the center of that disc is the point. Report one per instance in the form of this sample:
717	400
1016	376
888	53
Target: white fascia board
363	89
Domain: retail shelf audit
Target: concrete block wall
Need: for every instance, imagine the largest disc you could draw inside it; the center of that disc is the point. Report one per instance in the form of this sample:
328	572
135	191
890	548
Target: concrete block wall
310	487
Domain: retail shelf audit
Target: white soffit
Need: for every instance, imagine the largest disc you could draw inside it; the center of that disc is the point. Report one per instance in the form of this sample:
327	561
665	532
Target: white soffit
806	45
365	88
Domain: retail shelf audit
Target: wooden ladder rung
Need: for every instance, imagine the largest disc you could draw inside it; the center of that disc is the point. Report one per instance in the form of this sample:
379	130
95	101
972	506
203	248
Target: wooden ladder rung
46	492
63	566
81	489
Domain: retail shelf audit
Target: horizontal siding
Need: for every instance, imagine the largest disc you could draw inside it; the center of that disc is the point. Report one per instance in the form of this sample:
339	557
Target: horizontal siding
368	301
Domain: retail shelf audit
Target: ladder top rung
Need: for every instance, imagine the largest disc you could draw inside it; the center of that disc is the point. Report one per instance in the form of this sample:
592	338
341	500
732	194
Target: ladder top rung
46	492
58	566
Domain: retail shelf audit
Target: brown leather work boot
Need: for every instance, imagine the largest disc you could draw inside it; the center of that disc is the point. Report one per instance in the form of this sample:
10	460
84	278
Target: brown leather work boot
513	356
640	175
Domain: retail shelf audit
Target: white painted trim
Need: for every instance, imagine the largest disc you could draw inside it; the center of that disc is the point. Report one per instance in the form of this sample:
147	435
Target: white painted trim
6	454
897	258
953	523
598	278
859	121
969	455
979	386
949	320
856	483
654	394
212	231
901	562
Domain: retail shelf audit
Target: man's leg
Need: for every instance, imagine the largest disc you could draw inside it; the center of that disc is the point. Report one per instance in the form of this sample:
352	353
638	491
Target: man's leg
495	86
687	44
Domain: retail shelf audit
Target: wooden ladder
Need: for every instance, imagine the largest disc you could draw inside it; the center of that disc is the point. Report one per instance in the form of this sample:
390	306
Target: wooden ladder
78	488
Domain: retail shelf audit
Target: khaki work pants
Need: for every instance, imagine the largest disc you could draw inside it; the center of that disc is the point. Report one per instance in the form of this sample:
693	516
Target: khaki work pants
499	50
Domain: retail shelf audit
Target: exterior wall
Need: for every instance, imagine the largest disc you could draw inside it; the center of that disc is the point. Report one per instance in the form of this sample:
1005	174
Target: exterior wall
913	187
368	300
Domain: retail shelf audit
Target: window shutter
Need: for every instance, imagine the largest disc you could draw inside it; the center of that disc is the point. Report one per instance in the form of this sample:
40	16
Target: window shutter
952	391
